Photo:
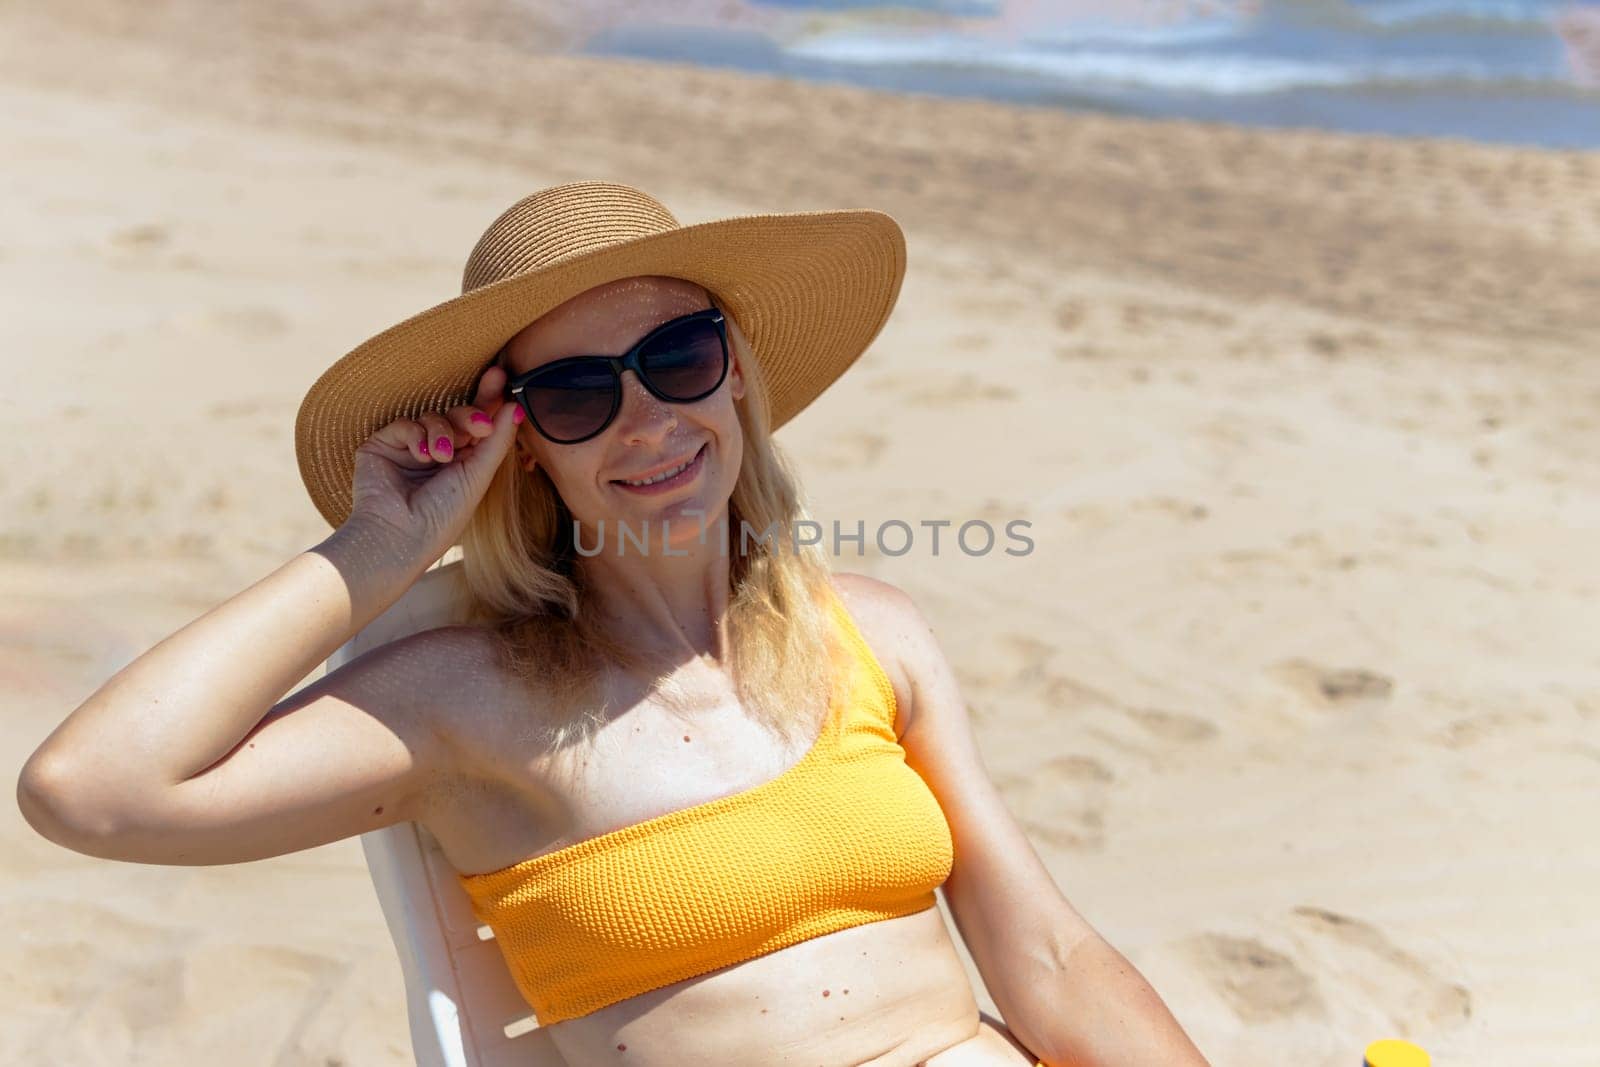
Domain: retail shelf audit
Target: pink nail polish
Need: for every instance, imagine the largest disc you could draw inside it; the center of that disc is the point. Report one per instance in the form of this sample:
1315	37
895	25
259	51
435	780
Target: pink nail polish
442	445
423	447
478	416
517	416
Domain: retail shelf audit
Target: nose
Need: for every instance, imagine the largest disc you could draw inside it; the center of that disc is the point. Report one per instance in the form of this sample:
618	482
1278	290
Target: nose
642	418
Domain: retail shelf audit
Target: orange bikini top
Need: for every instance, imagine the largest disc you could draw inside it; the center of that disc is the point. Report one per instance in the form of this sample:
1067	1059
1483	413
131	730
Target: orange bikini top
848	835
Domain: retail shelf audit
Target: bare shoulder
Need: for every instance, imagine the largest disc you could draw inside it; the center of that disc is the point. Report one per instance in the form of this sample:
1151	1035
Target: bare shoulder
460	681
893	627
450	657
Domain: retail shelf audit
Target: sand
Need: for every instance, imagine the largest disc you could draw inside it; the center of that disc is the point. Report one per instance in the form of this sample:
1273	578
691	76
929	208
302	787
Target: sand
1296	694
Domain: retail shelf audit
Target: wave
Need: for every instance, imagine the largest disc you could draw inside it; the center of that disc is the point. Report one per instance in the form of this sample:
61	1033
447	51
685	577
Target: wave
1175	35
1406	15
1214	73
1412	11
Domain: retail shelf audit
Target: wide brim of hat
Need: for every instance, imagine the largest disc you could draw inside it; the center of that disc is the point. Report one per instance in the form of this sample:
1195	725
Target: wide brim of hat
810	290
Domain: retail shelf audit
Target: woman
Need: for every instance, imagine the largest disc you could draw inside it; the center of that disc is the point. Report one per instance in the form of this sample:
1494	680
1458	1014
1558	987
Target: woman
702	788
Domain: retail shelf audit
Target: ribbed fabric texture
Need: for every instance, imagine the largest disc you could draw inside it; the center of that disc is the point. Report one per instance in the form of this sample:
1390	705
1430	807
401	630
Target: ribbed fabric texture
848	835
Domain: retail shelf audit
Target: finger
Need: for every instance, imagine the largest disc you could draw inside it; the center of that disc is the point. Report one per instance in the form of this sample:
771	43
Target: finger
491	390
471	422
405	435
441	436
483	459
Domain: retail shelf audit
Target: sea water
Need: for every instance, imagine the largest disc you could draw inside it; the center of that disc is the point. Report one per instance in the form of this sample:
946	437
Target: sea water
1513	71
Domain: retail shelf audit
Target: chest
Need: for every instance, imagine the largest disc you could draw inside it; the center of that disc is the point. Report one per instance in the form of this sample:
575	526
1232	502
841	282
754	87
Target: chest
654	761
847	835
519	796
649	869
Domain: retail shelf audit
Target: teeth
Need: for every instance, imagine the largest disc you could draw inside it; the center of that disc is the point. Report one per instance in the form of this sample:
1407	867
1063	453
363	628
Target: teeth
664	475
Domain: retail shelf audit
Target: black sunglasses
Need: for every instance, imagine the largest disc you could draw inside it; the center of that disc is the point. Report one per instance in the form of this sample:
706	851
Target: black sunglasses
573	399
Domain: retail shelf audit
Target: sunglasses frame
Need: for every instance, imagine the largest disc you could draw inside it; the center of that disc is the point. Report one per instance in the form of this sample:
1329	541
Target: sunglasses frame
516	388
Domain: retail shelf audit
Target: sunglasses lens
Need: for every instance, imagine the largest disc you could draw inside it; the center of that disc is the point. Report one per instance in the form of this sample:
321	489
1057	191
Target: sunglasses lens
686	362
572	401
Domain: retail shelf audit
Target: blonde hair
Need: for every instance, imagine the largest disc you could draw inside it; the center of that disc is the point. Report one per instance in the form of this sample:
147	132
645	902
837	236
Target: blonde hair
521	570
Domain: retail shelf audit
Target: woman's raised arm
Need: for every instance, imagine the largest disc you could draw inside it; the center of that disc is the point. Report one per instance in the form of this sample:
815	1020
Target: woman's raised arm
183	757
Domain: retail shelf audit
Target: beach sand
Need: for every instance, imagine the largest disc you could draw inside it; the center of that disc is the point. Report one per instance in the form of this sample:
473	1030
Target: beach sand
1296	694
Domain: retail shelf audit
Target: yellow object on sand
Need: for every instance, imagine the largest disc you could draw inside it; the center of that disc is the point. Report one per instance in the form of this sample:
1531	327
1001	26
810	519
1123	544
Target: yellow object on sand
1395	1053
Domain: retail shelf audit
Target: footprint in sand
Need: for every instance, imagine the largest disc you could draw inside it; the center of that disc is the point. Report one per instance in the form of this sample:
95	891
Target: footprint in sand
1469	730
1016	672
1071	314
234	409
1173	726
1329	687
249	322
1358	959
1016	676
116	498
943	392
1178	507
1144	315
144	237
1330	345
60	959
853	449
983	304
1061	801
1259	983
1087	351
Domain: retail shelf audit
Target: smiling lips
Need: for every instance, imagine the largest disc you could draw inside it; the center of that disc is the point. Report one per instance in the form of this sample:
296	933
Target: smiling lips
679	472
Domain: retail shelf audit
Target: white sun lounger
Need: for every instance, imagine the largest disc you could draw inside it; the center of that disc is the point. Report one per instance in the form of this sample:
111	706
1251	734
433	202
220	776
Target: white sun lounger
465	1010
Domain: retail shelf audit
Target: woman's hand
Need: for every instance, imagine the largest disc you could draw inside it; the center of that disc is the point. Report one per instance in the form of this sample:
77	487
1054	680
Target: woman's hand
421	478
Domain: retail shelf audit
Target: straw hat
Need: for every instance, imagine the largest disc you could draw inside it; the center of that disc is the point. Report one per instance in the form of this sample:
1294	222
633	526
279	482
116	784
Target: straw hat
809	289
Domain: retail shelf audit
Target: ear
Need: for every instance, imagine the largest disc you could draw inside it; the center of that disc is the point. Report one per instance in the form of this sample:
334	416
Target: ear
736	377
738	345
525	457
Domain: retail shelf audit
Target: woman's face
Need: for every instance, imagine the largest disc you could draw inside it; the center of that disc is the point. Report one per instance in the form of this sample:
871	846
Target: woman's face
648	435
